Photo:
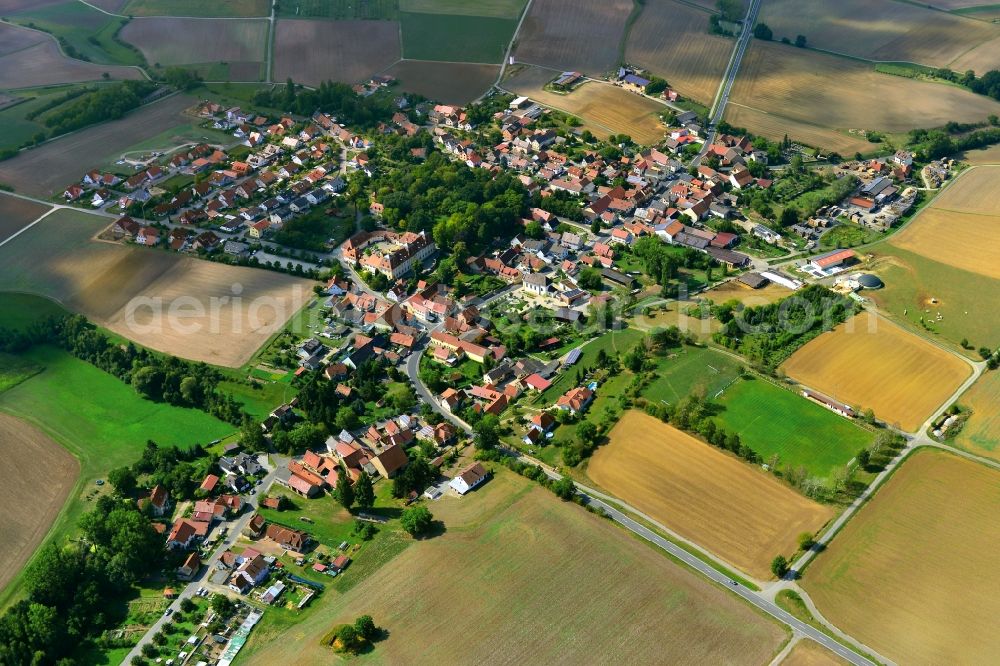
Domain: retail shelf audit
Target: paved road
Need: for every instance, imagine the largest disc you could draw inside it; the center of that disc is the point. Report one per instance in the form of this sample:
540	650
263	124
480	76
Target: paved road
718	110
208	565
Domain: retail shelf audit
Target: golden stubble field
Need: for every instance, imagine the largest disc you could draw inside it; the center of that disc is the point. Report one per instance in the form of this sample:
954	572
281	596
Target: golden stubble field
742	514
521	577
187	307
671	39
604	109
35	479
810	653
961	228
880	30
818	98
871	363
913	574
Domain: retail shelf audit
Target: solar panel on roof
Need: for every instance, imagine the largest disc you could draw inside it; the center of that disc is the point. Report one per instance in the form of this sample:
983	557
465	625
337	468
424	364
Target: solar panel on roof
573	356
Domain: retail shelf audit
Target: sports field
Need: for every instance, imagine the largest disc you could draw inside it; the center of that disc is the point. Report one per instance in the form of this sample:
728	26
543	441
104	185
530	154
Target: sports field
911	574
225	8
671	39
345	51
879	29
30	58
156	298
448	82
768	98
546	601
981	433
179	41
691	370
584	39
871	363
47	170
740	513
604	109
15	214
455	37
35	480
775	421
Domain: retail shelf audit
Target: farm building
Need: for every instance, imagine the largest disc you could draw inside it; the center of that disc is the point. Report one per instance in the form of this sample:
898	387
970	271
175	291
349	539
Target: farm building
831	262
829	403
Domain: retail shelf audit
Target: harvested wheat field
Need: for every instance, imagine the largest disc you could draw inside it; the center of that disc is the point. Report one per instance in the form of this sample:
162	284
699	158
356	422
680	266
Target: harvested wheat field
981	433
184	41
604	109
741	513
810	653
345	51
671	39
16	214
30	58
798	92
975	191
583	37
35	479
158	299
734	290
560	586
871	363
982	156
48	169
879	29
912	575
448	82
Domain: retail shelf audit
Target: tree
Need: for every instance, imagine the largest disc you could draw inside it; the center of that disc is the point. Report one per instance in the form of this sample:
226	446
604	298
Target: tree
587	432
223	605
731	10
590	279
864	457
806	541
779	566
416	520
149	650
487	433
564	488
347	635
534	230
762	31
364	493
122	479
344	491
595	226
800	41
365	626
252	436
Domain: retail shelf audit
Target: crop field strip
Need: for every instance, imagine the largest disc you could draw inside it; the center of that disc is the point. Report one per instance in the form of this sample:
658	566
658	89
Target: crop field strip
981	433
35	480
345	51
872	363
585	38
810	653
455	38
31	58
47	170
219	8
536	555
15	214
180	41
604	109
881	30
912	574
451	83
58	258
741	514
768	98
671	39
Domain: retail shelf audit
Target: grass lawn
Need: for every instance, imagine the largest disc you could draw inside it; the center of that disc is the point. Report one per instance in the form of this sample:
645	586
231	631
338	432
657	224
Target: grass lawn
14	370
455	38
772	420
17	129
171	139
612	342
848	234
87	30
692	369
100	420
911	281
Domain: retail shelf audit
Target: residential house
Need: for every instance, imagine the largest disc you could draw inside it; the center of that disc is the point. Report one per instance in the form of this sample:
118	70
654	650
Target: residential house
472	476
